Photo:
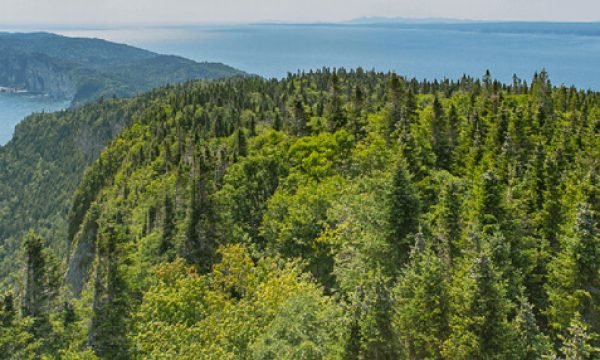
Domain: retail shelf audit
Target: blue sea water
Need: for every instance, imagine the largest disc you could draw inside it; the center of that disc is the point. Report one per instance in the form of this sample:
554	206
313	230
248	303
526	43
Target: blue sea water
569	52
14	107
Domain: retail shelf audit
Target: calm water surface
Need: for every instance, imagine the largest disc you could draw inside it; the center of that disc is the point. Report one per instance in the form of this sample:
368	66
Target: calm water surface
569	52
14	107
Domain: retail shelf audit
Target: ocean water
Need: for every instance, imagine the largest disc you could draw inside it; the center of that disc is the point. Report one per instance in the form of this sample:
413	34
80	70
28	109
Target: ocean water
14	107
569	52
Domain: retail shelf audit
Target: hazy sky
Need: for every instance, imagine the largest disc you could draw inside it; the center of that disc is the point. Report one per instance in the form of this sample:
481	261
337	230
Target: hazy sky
199	11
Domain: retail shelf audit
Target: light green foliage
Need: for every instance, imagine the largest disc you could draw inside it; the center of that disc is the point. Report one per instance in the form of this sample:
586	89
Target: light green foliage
247	187
577	344
320	156
241	310
371	310
304	328
17	342
574	274
404	211
293	222
479	326
422	311
357	233
533	344
335	214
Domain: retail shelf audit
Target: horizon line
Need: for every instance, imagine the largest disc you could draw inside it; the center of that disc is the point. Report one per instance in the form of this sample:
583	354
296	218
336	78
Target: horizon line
366	20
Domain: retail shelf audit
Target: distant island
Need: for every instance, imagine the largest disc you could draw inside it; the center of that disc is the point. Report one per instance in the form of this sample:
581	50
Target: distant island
81	70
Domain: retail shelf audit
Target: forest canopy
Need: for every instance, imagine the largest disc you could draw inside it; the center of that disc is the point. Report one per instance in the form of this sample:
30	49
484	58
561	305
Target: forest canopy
335	214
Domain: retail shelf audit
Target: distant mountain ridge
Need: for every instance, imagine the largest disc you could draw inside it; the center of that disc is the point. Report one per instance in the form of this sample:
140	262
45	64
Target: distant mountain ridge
402	20
482	26
82	69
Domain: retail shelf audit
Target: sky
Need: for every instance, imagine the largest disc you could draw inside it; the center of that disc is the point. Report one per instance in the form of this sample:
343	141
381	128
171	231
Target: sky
108	12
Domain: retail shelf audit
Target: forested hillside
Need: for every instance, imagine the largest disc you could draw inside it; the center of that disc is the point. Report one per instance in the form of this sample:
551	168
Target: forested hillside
330	215
42	166
82	70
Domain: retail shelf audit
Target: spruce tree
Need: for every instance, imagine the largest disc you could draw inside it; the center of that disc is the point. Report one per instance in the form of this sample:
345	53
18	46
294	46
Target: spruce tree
394	115
574	275
490	209
198	246
440	136
35	296
112	300
578	343
336	117
404	211
300	119
421	311
479	326
448	221
42	282
373	304
357	120
533	343
168	227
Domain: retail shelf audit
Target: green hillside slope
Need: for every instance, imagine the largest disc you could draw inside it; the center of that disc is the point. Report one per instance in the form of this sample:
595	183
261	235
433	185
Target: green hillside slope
81	69
43	164
331	215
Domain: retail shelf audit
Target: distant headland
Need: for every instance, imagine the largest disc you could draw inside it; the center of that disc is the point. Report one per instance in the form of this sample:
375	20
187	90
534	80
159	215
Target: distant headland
83	69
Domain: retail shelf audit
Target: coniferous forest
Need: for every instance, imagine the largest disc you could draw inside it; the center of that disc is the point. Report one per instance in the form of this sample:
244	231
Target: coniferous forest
336	214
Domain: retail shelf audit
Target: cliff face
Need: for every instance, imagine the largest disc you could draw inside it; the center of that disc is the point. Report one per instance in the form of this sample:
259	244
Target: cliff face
38	74
46	159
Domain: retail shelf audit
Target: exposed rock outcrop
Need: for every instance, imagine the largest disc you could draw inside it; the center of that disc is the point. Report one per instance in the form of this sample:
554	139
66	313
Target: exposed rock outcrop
37	73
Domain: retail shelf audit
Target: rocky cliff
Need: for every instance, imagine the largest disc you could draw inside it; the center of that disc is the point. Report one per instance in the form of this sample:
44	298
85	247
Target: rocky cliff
37	73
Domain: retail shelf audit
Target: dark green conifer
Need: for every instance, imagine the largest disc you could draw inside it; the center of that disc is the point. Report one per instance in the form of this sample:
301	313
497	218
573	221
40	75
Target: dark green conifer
403	212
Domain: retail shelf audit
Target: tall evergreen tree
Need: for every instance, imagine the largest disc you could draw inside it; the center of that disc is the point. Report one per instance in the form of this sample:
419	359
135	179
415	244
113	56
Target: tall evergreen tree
533	343
574	275
448	221
421	311
198	246
394	115
371	332
336	117
479	326
300	119
403	212
440	135
168	227
36	285
578	344
107	334
357	119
